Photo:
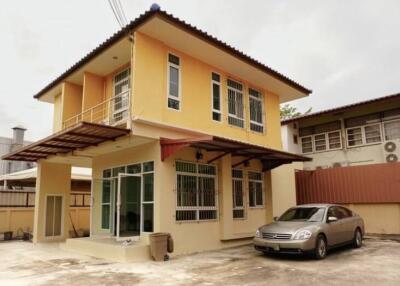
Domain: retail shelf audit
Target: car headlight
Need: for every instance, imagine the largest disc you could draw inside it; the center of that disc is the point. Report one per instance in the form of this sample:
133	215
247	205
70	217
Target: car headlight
302	235
258	233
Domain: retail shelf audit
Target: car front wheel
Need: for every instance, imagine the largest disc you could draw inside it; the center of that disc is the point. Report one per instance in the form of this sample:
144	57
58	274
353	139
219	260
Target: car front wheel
357	240
320	247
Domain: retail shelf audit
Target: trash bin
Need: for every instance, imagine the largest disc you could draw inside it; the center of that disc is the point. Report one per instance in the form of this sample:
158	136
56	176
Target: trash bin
8	235
159	246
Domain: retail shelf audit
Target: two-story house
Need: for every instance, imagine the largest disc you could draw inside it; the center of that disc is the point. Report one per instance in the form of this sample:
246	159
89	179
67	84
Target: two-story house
182	133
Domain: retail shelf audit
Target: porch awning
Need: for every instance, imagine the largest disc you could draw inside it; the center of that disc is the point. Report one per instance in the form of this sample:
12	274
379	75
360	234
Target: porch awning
80	136
270	158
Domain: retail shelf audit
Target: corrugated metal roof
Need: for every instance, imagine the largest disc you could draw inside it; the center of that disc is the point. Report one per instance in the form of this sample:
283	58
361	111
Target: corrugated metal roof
376	183
343	108
182	24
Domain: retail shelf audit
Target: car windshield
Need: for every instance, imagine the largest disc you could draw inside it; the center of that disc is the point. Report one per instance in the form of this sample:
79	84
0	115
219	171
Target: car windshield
311	214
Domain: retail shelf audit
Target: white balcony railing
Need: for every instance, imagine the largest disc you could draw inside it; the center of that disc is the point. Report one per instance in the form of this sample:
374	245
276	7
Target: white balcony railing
112	111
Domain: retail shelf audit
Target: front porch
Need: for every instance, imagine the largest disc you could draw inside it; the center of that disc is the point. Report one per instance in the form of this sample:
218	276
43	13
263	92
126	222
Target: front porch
208	192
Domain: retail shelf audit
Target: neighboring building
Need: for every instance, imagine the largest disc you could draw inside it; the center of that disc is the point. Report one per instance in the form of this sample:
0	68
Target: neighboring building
367	132
182	133
356	159
8	145
17	201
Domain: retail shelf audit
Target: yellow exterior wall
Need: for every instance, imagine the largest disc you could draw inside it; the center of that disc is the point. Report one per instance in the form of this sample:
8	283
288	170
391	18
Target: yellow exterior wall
188	236
72	100
93	90
150	95
284	187
57	113
379	218
21	218
54	179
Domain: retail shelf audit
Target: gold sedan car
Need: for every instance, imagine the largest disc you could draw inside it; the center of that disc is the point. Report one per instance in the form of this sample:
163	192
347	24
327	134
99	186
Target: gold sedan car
312	228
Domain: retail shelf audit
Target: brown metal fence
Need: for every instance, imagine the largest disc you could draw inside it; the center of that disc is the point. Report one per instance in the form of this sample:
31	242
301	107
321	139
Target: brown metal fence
376	183
17	199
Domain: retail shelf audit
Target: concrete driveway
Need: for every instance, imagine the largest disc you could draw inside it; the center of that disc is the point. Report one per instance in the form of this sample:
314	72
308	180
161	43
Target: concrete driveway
376	263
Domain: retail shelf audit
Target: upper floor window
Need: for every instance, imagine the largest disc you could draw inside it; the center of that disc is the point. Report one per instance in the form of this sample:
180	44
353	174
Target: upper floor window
256	110
392	129
235	103
216	96
321	142
120	103
362	135
174	74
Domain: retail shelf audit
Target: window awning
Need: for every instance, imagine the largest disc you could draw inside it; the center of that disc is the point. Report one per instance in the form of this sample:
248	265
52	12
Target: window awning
270	158
80	136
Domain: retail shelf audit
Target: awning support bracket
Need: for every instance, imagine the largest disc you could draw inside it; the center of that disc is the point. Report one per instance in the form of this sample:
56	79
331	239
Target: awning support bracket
218	157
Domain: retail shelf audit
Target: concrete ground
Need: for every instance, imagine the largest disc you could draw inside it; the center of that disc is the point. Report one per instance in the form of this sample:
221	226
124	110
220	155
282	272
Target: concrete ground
376	263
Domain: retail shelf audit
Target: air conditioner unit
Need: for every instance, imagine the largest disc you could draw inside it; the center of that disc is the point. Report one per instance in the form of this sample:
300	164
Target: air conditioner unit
391	151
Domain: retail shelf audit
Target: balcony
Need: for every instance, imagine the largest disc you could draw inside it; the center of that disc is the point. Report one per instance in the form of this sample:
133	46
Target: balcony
113	111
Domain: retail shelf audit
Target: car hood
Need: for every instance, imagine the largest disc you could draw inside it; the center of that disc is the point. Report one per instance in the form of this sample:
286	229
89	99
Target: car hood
286	226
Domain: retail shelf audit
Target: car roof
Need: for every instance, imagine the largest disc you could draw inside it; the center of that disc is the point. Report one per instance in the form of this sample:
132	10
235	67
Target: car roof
316	205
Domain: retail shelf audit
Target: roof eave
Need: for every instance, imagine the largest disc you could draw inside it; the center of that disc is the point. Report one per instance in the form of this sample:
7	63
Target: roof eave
135	24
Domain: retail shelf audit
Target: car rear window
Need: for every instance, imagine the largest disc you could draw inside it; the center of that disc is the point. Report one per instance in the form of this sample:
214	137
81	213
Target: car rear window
303	214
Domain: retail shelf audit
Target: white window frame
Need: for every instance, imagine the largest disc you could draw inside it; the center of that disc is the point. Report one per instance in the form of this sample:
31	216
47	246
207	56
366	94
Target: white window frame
384	129
212	98
113	200
363	137
50	237
234	116
256	206
234	206
178	67
261	100
122	94
197	208
326	134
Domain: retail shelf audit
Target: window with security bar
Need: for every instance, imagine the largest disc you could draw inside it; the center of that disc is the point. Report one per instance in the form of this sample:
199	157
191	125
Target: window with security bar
196	195
256	190
120	102
237	194
235	103
256	111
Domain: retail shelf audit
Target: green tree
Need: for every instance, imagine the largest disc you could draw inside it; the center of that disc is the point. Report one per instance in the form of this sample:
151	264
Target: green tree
288	111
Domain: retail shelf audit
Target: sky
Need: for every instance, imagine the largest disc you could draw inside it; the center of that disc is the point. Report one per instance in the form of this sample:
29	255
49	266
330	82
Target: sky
345	51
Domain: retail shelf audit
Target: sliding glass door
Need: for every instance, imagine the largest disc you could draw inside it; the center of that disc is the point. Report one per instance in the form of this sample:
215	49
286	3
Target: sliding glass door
128	206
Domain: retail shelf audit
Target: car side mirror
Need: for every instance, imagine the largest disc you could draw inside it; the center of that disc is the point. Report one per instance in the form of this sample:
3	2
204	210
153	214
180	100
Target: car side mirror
332	219
276	218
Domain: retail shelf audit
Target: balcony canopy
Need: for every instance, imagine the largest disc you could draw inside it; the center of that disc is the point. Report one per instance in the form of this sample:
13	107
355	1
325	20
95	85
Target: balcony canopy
80	136
270	158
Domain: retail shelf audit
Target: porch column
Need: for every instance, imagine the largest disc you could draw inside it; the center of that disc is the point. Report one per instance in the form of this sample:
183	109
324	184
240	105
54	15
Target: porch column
53	180
225	197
